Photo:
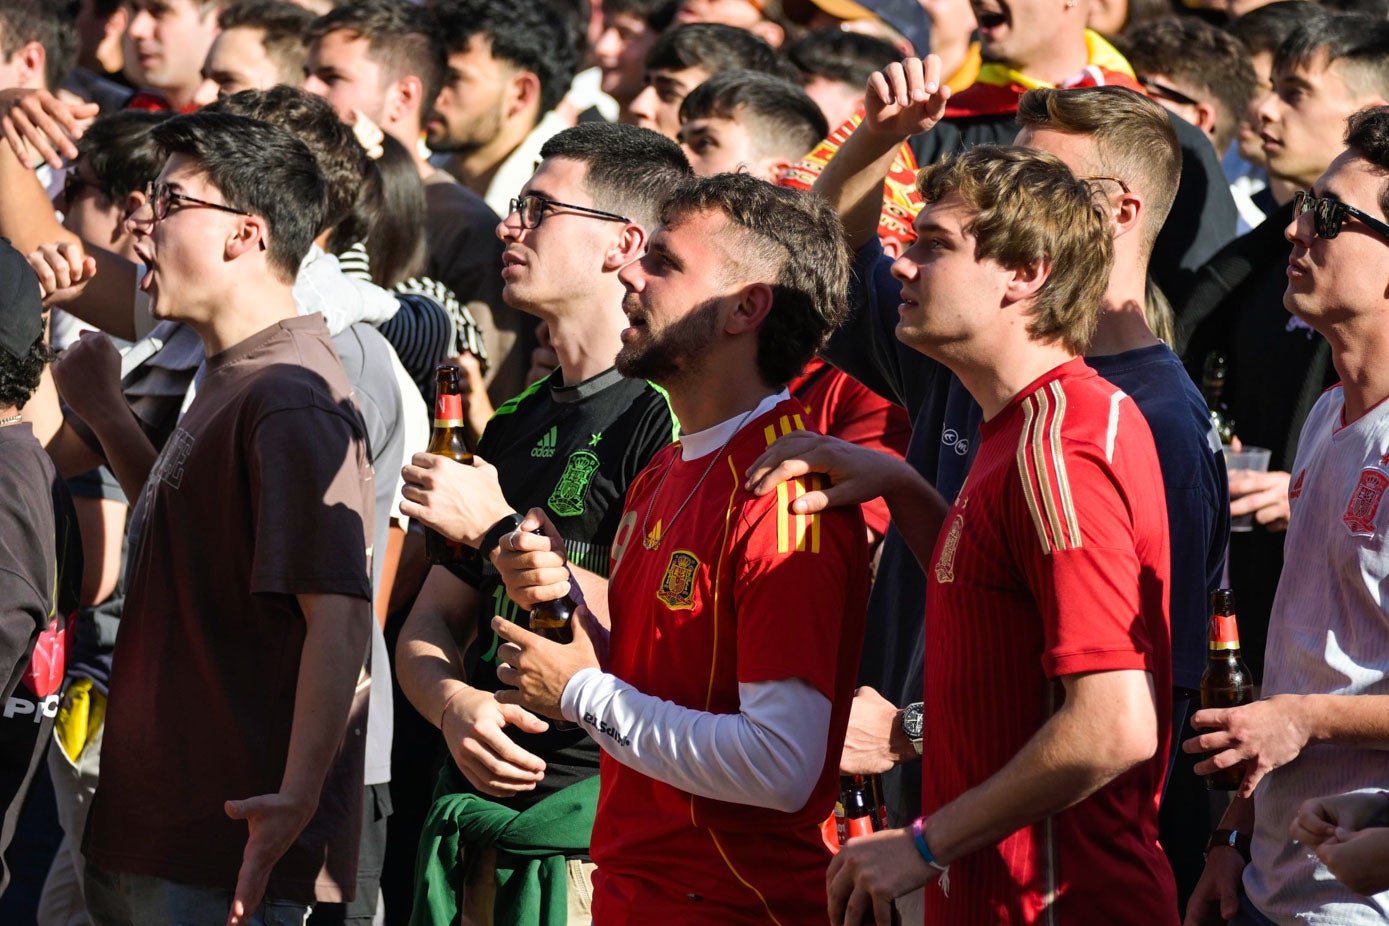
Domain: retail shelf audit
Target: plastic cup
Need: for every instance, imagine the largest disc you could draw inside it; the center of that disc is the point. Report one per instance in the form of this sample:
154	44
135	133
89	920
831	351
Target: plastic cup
1254	459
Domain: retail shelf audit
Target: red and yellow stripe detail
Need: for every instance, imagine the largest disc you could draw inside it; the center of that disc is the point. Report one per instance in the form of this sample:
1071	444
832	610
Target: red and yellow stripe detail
798	532
1041	465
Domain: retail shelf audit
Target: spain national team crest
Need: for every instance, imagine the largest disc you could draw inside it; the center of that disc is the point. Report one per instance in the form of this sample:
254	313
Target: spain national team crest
1364	502
677	585
567	500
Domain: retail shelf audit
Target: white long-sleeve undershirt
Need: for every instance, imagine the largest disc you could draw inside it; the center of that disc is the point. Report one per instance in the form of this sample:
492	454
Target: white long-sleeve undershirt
770	754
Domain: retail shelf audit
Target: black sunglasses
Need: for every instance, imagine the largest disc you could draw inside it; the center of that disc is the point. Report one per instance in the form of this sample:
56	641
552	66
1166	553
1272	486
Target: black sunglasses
1158	90
1328	215
532	208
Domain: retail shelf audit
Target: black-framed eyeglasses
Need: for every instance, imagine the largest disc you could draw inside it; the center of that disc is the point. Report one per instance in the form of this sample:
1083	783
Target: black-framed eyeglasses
161	196
1328	215
531	208
1158	90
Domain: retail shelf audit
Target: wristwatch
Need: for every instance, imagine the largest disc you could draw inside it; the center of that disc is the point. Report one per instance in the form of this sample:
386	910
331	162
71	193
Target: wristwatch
493	538
911	724
1232	838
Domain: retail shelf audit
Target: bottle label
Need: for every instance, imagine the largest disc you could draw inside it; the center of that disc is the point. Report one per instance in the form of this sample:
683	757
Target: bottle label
1224	632
448	411
854	826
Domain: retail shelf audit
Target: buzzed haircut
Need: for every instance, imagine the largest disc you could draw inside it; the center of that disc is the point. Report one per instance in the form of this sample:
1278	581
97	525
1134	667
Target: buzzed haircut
1133	136
48	22
1358	44
1367	137
342	162
399	35
121	151
629	170
795	243
1196	53
781	119
526	34
713	47
1263	29
283	26
844	57
657	14
258	168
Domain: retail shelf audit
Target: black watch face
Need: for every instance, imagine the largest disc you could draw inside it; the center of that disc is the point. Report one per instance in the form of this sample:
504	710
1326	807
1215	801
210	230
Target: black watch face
911	722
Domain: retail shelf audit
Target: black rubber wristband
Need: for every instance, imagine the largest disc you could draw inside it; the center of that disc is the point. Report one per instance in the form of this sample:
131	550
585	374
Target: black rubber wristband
496	532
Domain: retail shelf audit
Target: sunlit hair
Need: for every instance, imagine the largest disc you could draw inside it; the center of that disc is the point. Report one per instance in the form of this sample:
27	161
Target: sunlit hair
1028	210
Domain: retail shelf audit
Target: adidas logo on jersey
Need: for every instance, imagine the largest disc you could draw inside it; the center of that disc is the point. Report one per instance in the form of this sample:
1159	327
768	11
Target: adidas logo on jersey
545	447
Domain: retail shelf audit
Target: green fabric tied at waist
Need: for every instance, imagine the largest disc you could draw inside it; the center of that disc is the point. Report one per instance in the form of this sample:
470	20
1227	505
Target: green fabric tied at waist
531	845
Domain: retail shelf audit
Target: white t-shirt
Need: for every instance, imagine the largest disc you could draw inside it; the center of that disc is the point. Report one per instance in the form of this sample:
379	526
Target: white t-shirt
1328	634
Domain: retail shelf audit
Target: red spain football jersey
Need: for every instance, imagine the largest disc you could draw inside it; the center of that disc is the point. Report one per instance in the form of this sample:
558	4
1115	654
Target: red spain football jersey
1053	561
739	590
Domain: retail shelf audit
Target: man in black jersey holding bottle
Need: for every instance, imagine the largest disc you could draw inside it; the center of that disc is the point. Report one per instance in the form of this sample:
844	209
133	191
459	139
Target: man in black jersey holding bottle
569	444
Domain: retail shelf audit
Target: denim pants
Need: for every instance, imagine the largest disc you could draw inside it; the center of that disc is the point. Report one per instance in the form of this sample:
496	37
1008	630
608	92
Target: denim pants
122	899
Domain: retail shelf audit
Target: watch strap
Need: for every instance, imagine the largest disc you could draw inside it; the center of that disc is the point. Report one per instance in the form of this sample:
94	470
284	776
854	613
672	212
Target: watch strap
1232	838
493	538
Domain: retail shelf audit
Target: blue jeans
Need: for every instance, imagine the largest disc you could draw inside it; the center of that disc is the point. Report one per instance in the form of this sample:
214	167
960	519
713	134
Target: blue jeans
122	899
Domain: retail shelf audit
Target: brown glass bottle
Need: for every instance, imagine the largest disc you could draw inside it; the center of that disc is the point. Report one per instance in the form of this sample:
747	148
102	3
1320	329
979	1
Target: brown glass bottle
553	620
1213	390
1226	681
447	440
860	809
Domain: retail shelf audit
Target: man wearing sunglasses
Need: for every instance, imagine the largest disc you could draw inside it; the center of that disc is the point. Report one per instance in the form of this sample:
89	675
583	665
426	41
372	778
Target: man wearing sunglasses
1328	69
237	702
570	445
1323	726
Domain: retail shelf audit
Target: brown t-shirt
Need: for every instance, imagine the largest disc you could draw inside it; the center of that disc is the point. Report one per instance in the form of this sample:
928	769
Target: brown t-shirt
263	492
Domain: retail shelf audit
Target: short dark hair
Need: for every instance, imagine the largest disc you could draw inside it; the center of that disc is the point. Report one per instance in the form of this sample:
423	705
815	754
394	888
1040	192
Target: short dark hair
524	33
1367	136
1376	8
400	36
1211	61
342	162
122	153
386	217
657	14
259	168
784	120
283	25
796	240
19	376
844	57
1359	44
630	170
713	47
48	22
1264	28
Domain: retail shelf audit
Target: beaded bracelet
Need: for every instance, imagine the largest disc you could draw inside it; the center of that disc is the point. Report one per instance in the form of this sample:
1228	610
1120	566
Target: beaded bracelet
929	857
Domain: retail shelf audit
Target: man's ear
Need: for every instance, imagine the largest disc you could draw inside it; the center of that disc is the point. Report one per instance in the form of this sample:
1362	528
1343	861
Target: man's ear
249	237
772	169
523	92
30	60
754	305
406	96
630	245
1026	281
1127	213
1205	118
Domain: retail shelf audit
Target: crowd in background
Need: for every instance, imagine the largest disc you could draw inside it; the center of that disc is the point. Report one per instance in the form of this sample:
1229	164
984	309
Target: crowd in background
651	236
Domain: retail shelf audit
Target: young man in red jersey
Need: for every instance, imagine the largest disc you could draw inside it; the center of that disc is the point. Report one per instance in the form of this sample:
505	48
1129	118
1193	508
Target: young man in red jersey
723	694
1046	612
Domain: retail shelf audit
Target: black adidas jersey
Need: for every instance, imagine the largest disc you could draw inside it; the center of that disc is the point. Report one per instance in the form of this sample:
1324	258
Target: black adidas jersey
571	450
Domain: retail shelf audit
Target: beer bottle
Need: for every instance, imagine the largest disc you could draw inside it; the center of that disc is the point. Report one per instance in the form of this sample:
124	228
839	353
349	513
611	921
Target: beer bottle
1213	391
553	620
1226	681
860	810
447	440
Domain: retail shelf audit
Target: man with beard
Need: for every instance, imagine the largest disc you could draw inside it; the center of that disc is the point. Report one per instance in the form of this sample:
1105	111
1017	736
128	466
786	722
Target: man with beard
509	64
736	624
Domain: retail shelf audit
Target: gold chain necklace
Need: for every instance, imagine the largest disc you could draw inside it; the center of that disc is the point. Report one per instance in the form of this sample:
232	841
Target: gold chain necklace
714	458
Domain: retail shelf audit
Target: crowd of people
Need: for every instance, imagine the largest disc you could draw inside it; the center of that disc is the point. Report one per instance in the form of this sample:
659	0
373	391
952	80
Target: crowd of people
874	378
